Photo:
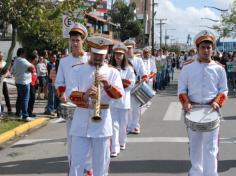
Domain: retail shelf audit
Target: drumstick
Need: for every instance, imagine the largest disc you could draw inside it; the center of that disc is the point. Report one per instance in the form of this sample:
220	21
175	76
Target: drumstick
210	111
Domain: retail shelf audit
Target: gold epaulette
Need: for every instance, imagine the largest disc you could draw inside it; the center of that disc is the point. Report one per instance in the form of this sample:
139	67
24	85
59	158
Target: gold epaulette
77	64
188	62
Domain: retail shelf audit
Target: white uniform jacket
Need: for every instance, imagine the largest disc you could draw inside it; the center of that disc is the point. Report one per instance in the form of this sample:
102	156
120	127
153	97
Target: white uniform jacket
150	67
65	67
82	78
128	80
139	67
202	81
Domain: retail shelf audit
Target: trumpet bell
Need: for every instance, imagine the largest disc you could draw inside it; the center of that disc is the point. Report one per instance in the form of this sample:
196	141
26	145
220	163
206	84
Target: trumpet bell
96	118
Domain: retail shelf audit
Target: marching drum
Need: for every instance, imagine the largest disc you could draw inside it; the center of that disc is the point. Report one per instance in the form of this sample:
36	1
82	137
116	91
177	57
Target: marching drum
202	118
143	92
66	110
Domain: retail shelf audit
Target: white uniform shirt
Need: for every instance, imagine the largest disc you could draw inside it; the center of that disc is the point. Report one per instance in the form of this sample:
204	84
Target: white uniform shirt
82	78
202	81
150	66
124	101
138	66
65	68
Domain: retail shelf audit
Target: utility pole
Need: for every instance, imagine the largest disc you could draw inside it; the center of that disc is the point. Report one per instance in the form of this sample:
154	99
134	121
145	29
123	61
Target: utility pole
161	23
153	24
144	22
166	35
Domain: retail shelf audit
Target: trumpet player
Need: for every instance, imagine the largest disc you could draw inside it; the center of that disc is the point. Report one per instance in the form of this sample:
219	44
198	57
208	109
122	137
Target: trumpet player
120	109
85	130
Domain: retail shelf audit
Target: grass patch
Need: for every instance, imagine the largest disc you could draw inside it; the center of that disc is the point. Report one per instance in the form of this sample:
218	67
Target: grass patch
9	124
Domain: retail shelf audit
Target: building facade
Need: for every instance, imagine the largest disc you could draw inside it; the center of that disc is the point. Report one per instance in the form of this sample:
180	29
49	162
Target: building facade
144	14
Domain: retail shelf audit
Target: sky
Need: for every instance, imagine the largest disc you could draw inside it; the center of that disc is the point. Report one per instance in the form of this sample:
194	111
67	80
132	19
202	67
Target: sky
184	17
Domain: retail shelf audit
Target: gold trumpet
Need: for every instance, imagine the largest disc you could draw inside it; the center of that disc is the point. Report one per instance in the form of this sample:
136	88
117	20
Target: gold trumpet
96	102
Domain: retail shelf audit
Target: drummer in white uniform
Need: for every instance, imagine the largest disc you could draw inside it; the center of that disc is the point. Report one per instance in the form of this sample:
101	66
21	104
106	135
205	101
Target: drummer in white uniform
78	34
120	109
150	65
140	72
83	93
203	81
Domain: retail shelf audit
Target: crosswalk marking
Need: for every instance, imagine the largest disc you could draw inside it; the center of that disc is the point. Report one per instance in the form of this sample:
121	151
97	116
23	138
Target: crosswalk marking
157	139
129	140
174	112
172	140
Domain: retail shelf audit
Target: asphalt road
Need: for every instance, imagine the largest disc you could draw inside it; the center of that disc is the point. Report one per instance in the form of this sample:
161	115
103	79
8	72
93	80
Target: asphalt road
160	150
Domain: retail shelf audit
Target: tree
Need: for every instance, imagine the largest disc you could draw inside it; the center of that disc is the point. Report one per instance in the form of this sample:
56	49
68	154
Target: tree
37	22
228	25
124	15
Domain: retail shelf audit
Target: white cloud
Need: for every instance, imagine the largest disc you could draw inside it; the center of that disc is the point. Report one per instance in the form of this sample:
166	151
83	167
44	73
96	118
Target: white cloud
185	21
224	3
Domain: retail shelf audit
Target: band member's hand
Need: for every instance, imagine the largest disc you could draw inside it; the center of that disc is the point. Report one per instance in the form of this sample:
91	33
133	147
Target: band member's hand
187	107
215	105
91	92
62	98
103	80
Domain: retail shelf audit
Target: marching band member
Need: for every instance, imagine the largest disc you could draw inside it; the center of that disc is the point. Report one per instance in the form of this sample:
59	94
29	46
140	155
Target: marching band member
78	34
150	65
85	83
203	81
139	69
120	109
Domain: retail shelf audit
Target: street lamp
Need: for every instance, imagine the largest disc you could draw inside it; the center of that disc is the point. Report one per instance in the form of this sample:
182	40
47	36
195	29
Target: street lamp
210	19
222	10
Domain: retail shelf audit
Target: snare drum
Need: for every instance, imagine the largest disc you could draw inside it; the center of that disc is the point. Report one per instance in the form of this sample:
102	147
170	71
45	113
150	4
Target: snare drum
66	110
143	92
202	118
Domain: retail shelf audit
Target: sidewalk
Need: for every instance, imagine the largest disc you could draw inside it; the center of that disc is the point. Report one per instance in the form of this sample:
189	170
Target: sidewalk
40	120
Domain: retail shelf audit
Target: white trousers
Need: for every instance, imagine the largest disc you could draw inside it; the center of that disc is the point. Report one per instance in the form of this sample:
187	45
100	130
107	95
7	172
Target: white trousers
100	149
134	114
119	124
88	165
203	152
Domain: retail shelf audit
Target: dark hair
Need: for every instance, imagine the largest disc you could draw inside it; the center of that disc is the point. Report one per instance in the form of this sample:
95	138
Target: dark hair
33	57
75	33
124	62
20	51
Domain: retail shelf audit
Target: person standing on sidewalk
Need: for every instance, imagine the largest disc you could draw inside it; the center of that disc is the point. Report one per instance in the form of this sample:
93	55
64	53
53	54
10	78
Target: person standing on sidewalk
22	69
203	81
4	87
52	103
33	84
42	77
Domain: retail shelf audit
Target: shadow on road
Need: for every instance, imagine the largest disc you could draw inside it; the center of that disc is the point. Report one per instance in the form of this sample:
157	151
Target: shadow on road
60	165
40	142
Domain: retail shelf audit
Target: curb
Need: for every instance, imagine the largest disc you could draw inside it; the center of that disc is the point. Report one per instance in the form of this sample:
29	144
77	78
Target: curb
21	129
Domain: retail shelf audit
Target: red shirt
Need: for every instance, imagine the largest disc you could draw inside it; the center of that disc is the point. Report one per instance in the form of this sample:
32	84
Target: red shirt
34	77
